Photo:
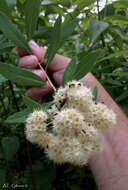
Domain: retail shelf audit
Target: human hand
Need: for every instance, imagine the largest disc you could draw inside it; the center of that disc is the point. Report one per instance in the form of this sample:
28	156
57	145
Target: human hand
55	69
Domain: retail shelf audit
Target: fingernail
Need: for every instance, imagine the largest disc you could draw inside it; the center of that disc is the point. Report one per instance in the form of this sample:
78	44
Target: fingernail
33	44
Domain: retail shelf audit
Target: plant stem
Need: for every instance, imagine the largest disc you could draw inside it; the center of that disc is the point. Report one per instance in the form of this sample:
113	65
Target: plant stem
50	82
30	166
13	95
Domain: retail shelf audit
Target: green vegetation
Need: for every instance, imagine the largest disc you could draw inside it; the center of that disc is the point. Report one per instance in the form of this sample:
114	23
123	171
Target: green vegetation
97	40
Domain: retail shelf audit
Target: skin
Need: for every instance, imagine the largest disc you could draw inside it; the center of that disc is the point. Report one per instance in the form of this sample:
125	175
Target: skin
110	168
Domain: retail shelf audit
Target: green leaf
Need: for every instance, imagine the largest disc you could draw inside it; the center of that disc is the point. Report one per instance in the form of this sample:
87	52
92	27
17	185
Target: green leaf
12	33
123	96
6	47
119	31
113	55
43	32
96	29
95	93
32	105
20	76
10	146
2	79
69	71
55	41
4	7
2	177
86	64
31	16
68	29
120	74
18	117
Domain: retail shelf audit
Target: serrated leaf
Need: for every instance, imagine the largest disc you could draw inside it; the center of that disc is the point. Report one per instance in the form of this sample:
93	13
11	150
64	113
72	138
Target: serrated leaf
2	177
96	29
32	105
69	71
95	93
31	16
20	76
6	47
55	41
18	117
2	79
12	33
68	29
10	146
86	64
4	7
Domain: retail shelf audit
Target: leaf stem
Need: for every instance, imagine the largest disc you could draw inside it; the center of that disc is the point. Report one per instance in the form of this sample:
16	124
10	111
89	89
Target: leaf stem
50	82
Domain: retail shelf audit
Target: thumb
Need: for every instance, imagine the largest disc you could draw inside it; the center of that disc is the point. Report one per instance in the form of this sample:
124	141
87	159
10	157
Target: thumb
38	51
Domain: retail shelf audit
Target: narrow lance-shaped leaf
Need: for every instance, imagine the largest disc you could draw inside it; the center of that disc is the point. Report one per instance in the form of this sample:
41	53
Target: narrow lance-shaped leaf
68	29
18	117
12	33
4	7
5	47
96	28
117	54
20	76
31	16
55	41
32	105
86	64
69	71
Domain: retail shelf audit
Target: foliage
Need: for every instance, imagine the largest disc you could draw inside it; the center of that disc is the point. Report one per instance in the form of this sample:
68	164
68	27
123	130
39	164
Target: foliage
96	40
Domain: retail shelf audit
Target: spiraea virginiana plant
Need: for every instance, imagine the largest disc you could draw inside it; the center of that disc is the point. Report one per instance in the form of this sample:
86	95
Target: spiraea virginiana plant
96	42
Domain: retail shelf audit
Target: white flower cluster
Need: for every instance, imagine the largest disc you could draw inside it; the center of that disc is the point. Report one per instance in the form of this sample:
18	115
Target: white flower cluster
77	123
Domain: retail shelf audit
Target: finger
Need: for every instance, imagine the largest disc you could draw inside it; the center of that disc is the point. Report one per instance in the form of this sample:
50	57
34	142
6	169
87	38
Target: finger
37	51
40	73
29	61
37	93
58	63
57	76
21	52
